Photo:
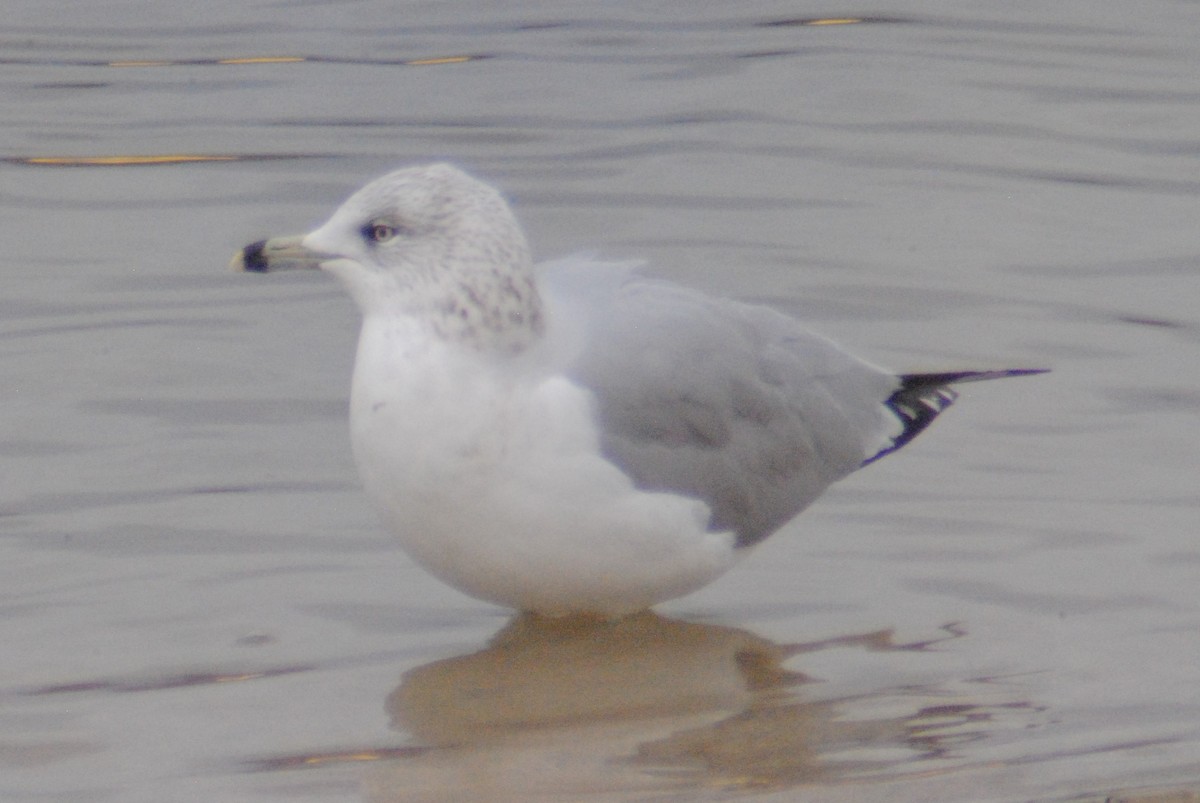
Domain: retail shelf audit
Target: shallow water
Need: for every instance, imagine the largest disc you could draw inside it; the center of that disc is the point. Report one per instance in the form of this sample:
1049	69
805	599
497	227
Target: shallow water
197	603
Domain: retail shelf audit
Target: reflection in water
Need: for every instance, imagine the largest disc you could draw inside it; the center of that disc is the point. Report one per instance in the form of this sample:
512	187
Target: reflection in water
650	705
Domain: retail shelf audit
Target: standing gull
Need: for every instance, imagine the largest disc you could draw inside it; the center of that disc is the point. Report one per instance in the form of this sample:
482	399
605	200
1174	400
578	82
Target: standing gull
572	437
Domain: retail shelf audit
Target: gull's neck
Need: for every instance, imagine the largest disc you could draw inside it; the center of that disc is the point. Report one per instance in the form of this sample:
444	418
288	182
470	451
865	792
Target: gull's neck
488	311
475	306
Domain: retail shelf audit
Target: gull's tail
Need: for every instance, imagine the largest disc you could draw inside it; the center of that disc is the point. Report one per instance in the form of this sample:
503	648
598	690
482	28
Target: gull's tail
921	397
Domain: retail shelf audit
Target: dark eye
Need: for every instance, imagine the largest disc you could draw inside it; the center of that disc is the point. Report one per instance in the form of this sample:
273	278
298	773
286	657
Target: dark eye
379	231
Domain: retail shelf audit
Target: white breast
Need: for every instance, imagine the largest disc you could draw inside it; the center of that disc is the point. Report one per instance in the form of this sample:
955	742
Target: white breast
492	479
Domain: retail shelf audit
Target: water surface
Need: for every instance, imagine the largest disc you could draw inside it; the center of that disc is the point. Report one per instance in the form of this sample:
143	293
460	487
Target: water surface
197	603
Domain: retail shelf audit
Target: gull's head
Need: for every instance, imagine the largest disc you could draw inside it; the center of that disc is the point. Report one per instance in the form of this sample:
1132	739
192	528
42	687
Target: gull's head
429	244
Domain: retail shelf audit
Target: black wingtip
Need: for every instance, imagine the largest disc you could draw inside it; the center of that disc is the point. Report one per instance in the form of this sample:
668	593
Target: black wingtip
916	381
922	397
253	260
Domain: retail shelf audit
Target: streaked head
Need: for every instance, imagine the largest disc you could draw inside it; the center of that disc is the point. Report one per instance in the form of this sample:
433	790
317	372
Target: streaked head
430	243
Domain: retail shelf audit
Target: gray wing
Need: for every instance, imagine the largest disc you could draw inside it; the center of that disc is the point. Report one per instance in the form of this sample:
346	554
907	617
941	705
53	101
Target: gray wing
736	405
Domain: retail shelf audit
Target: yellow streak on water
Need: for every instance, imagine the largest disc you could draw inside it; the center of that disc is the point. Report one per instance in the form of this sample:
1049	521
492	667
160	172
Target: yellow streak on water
151	159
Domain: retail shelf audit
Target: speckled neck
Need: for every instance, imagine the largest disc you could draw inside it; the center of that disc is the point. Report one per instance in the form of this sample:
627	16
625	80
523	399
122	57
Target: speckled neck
488	310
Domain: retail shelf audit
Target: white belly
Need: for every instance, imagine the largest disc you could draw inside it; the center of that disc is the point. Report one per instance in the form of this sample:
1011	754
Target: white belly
496	485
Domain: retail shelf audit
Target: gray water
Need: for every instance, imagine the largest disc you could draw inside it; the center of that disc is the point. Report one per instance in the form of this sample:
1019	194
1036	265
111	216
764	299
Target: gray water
197	604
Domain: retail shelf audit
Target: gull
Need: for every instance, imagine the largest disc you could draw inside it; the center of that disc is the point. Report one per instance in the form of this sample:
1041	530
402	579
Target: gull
572	437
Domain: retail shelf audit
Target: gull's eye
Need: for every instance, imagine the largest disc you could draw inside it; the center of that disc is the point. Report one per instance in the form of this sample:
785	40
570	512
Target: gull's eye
379	231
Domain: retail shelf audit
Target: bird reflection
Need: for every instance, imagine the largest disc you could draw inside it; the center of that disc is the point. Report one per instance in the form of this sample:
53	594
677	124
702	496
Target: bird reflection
649	705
